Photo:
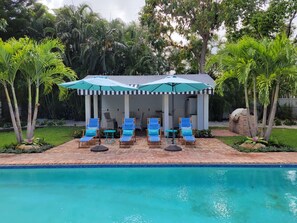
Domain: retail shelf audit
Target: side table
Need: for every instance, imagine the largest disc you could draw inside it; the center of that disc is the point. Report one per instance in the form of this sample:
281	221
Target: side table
109	136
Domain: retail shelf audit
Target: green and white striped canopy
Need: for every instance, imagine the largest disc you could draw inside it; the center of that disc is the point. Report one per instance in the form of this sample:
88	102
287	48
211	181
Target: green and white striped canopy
99	83
173	84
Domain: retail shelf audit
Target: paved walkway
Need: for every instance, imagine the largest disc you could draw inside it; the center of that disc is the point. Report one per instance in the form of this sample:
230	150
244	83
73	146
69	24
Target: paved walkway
206	151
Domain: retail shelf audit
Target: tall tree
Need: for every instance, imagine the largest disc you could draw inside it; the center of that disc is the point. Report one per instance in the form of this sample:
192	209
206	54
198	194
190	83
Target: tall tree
190	19
42	67
269	65
237	60
10	62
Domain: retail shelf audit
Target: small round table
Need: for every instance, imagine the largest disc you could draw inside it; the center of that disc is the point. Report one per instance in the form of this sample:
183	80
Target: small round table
173	133
109	136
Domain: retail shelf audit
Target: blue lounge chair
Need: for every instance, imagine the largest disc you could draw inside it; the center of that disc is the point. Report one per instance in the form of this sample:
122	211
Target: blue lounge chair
128	132
88	138
185	123
153	132
187	136
93	123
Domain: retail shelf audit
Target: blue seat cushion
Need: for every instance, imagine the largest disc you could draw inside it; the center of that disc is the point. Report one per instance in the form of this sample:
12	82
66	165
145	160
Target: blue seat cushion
125	138
187	132
189	138
128	132
85	139
154	138
91	132
153	132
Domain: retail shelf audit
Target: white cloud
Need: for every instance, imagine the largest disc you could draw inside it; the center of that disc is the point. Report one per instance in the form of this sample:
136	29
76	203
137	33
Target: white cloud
127	10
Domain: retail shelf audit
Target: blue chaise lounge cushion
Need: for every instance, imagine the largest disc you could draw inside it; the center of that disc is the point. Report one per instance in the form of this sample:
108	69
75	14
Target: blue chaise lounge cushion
153	132
187	132
91	132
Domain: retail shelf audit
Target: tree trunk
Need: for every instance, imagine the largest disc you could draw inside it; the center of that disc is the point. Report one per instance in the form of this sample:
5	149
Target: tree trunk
35	111
272	113
264	120
29	119
17	113
12	116
247	108
255	106
205	39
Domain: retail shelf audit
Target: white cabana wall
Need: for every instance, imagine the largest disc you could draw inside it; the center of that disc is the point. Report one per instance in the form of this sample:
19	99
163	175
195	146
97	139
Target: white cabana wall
150	106
134	103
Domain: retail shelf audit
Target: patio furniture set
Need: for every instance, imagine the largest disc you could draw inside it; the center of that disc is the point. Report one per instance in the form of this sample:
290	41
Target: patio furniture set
128	137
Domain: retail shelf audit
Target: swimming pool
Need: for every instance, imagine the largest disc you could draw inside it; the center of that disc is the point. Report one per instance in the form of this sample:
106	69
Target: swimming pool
147	195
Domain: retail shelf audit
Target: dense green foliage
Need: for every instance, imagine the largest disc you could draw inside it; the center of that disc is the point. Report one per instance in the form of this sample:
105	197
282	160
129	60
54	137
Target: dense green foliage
94	45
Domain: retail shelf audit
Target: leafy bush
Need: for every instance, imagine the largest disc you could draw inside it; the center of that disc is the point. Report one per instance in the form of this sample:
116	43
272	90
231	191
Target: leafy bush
38	146
255	140
206	133
277	122
272	146
289	122
7	125
77	133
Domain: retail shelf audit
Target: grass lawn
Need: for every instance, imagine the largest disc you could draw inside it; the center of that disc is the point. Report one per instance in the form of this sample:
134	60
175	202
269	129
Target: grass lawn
53	135
284	136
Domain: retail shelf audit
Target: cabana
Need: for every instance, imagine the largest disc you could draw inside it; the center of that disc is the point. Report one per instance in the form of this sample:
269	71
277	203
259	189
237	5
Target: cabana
142	105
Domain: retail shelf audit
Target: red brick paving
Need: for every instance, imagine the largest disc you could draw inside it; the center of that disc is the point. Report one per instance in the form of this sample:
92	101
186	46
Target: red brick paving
206	151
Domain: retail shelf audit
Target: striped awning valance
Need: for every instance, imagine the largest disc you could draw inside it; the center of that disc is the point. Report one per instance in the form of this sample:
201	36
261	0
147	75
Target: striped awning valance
138	92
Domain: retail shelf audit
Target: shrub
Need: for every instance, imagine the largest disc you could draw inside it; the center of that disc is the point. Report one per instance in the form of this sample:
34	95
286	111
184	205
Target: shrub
289	122
206	133
7	125
255	140
277	122
77	133
272	146
60	122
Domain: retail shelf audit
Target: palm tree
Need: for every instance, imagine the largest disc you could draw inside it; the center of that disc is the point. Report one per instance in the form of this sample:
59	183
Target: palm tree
237	60
43	67
72	26
283	65
10	62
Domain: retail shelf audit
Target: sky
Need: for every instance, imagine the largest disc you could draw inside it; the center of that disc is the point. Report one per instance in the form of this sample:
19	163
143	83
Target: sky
127	10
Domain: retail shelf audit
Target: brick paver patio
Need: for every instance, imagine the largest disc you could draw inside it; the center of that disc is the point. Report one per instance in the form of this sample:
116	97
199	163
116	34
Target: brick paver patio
206	151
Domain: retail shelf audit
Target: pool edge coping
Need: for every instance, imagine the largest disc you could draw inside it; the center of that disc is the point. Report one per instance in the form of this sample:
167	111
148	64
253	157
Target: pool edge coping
129	165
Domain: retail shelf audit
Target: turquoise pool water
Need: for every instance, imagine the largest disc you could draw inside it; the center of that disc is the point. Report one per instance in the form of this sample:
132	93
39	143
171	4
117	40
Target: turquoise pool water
147	195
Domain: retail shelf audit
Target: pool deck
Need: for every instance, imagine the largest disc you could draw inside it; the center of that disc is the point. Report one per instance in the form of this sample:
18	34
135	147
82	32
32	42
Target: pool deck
206	151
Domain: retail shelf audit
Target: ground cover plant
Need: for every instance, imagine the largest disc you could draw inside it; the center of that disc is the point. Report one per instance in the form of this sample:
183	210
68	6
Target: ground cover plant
282	140
49	136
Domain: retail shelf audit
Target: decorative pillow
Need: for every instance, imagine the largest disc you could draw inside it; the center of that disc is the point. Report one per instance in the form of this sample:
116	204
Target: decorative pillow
91	132
127	132
187	131
153	132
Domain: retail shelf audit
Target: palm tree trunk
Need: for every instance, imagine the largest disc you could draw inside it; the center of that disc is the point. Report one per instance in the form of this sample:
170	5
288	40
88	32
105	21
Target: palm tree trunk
264	120
272	112
255	107
17	113
35	111
247	108
29	119
12	116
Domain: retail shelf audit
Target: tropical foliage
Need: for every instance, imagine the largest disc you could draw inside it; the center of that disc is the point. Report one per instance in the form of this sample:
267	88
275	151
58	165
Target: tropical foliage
263	68
39	65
